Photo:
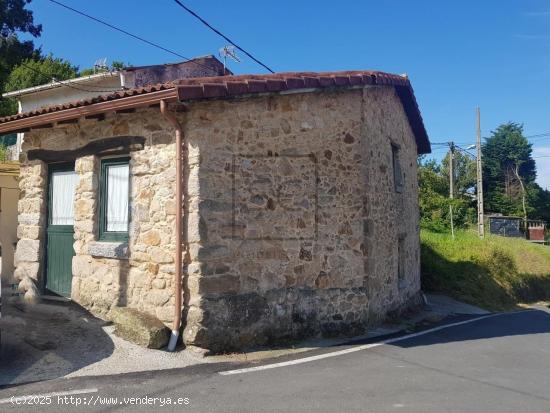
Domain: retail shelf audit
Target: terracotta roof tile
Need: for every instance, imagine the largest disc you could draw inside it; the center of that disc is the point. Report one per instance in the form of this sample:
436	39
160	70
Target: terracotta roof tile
236	88
227	86
190	92
326	81
276	85
311	81
257	86
214	90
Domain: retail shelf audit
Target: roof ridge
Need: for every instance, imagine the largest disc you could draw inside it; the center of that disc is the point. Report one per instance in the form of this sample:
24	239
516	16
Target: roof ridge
239	85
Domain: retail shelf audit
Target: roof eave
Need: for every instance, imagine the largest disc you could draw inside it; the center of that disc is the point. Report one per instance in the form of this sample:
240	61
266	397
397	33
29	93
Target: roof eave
54	85
228	87
406	95
130	102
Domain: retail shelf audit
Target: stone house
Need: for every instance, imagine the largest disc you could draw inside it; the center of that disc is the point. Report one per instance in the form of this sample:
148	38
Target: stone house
55	93
298	212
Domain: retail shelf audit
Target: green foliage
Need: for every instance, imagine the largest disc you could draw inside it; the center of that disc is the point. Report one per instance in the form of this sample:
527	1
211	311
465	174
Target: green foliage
434	198
504	153
3	152
8	107
464	173
539	200
13	52
495	273
14	19
115	65
88	72
506	150
5	141
34	72
119	65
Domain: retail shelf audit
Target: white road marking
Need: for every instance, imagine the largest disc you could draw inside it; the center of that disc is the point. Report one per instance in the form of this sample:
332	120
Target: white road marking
44	395
357	348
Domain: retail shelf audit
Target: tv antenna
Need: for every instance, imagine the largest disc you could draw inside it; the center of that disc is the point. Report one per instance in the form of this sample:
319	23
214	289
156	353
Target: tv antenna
100	65
228	51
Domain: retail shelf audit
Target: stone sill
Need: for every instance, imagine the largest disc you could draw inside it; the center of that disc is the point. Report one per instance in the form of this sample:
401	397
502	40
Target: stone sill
115	250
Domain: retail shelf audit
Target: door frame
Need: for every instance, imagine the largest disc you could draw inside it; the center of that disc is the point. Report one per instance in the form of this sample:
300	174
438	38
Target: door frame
52	167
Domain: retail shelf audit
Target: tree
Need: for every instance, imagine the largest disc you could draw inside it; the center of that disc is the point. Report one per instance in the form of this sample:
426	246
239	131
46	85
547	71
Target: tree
116	65
119	65
464	173
540	200
509	171
34	72
509	183
14	19
434	198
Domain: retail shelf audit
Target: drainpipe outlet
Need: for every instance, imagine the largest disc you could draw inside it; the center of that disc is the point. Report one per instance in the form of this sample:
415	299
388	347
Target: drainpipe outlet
173	340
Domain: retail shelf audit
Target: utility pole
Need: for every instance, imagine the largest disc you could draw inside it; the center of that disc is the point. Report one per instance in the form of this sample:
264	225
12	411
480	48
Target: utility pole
480	213
451	183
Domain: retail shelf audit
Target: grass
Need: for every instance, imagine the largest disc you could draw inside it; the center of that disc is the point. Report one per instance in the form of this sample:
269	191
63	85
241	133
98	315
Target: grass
496	273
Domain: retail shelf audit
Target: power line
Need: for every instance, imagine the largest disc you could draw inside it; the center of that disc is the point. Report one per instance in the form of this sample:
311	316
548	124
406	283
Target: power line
471	154
465	151
540	134
530	138
187	9
141	39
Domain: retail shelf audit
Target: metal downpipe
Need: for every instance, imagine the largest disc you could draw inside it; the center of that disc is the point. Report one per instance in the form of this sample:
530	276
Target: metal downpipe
169	116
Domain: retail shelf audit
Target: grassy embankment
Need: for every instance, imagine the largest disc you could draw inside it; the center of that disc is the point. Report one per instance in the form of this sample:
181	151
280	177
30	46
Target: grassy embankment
495	273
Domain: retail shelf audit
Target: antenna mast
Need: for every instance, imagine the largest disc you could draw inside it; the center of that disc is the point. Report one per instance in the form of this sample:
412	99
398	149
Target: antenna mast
100	65
228	51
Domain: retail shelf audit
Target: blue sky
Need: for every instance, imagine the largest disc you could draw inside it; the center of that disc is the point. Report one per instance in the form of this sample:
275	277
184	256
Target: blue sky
458	55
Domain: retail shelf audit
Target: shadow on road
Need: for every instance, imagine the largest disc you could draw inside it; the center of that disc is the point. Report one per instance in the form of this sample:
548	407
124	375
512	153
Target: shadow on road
507	324
48	340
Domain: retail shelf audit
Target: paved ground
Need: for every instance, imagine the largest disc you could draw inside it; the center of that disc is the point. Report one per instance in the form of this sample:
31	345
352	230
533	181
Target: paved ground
445	305
496	363
53	340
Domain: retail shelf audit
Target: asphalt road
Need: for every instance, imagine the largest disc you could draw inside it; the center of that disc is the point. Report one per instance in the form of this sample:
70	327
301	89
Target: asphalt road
495	364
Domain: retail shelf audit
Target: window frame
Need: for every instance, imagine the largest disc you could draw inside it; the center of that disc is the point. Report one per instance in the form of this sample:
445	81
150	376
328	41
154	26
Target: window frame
104	235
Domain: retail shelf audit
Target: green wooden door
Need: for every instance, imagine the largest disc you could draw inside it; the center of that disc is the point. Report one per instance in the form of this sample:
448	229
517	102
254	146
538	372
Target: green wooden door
60	230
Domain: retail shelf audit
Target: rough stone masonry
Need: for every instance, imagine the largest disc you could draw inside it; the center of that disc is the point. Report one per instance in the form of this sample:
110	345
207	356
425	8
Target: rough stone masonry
298	222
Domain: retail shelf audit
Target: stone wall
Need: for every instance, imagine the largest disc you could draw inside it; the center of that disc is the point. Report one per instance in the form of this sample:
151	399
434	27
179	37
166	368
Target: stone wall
29	253
294	226
296	219
139	274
